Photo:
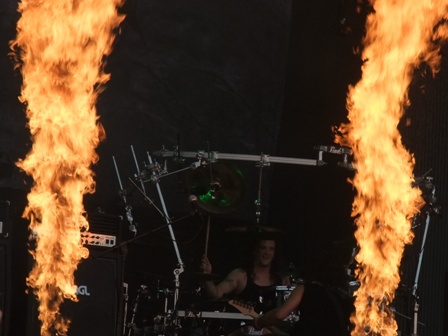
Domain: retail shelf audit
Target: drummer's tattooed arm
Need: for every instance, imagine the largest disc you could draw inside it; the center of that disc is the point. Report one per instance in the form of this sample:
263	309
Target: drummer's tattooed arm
231	283
234	281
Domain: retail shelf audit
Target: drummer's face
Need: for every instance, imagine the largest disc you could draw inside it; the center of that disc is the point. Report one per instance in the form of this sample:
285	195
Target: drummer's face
265	252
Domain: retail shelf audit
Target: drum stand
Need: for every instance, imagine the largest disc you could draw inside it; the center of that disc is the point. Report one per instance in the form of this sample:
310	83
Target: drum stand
131	324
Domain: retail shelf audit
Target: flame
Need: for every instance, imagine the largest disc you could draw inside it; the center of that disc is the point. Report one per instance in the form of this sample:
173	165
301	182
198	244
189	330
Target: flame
61	45
400	34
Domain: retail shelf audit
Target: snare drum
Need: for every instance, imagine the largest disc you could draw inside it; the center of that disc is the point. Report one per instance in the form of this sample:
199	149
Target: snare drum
283	294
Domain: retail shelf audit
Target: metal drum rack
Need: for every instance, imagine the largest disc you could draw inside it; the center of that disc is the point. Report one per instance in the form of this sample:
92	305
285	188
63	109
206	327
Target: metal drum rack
153	172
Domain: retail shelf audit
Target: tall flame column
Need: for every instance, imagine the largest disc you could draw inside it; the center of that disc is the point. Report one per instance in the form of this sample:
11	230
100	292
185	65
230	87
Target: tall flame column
60	47
399	36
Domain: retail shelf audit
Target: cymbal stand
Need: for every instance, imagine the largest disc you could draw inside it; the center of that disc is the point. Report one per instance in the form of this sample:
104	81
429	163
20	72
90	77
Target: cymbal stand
260	164
123	248
180	269
427	184
128	208
139	175
131	324
122	193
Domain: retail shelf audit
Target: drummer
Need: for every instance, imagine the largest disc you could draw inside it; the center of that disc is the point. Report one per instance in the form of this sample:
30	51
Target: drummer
255	281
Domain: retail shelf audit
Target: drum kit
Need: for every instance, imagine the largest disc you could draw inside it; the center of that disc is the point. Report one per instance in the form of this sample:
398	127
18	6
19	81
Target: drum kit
151	315
215	188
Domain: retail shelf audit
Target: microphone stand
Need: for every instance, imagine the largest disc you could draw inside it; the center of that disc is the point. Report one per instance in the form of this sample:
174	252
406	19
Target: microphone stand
125	297
420	258
180	269
414	288
261	164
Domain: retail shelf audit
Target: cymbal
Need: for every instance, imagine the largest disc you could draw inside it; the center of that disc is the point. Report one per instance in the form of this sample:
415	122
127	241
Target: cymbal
218	187
254	229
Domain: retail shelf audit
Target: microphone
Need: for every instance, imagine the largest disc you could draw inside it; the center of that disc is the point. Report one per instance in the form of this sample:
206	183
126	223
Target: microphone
132	226
193	200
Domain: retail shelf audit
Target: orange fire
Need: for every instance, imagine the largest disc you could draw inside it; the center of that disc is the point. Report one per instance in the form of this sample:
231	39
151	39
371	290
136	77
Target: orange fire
61	45
400	34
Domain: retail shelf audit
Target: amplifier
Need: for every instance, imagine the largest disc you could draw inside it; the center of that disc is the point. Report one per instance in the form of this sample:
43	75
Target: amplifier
104	230
4	219
97	239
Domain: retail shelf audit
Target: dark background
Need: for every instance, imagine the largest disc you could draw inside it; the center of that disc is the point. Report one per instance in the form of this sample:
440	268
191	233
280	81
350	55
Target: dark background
241	77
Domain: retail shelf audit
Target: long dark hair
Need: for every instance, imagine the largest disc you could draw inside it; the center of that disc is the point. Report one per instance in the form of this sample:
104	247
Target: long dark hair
277	266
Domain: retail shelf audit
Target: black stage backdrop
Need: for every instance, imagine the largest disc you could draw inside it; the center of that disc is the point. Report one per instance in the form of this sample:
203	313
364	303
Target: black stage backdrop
239	77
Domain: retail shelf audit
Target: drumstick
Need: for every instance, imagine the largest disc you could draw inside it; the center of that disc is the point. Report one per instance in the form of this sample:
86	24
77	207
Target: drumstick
206	237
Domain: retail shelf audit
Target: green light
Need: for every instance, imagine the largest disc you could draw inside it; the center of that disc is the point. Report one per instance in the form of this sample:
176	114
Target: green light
208	198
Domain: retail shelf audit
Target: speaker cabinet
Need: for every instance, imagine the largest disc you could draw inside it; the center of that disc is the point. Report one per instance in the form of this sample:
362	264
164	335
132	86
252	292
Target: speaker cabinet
445	308
5	286
5	268
100	295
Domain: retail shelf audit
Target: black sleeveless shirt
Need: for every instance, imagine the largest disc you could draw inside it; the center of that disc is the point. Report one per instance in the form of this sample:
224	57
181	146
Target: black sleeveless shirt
262	298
